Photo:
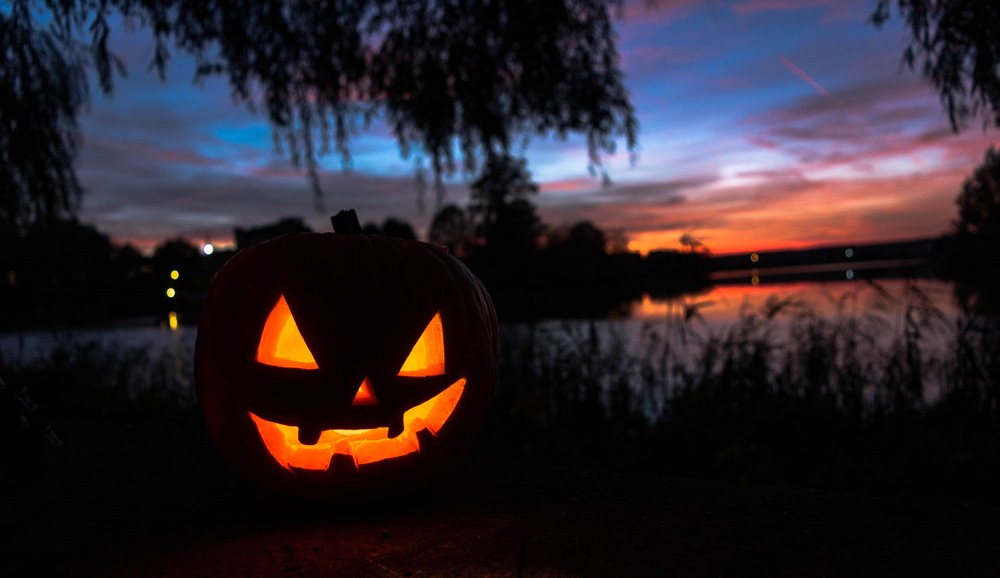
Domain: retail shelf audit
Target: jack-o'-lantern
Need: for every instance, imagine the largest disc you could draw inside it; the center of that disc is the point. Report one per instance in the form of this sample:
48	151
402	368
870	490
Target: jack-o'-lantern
344	366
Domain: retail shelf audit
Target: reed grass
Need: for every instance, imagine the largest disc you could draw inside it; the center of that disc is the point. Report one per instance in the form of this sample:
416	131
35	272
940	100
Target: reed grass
885	394
889	396
90	378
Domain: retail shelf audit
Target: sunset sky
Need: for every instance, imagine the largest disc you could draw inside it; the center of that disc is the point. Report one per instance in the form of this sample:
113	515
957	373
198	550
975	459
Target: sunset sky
764	124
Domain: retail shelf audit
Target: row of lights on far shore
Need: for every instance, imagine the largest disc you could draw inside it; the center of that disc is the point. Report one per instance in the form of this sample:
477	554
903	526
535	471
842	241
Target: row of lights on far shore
755	276
754	257
207	249
173	320
174	275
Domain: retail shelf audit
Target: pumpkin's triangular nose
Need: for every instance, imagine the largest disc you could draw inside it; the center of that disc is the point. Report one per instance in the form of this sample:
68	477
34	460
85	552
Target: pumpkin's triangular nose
365	394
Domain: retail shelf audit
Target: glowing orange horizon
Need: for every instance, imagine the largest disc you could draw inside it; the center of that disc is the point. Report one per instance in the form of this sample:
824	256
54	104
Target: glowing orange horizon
644	243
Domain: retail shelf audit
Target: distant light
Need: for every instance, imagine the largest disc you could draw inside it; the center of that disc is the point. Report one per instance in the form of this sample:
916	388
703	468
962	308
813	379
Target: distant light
12	278
175	274
754	257
849	274
849	253
171	292
172	320
207	249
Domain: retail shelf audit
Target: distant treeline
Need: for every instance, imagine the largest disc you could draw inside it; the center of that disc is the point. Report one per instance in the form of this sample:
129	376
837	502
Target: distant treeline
69	273
533	270
933	251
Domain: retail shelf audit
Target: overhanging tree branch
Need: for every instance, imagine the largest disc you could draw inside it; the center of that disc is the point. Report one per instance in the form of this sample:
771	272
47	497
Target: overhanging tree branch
957	46
455	80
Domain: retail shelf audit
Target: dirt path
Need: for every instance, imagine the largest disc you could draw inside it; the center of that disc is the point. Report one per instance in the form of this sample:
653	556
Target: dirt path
157	501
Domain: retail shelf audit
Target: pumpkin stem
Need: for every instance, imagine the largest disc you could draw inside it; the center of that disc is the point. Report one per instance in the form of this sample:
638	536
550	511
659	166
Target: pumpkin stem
346	223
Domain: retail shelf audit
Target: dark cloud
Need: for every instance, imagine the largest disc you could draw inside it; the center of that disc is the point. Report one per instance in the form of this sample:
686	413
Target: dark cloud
860	122
624	207
874	99
139	198
779	182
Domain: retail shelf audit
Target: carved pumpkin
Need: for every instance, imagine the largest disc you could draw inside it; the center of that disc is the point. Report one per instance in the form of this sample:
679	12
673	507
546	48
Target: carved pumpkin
342	366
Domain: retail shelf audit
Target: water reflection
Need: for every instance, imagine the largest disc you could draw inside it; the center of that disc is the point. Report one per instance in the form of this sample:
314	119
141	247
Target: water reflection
723	305
804	382
649	327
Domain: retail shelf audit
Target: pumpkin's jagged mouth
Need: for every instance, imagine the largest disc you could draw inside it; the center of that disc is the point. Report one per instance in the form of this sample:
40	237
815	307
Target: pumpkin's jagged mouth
364	445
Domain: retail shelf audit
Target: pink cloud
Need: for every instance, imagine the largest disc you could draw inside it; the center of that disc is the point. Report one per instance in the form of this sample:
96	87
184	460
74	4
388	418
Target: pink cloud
566	185
781	207
763	142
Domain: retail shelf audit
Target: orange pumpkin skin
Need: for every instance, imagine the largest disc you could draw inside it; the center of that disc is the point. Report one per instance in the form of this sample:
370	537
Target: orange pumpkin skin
363	306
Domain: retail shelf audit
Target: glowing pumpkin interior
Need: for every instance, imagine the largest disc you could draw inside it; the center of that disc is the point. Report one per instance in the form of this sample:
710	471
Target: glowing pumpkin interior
282	345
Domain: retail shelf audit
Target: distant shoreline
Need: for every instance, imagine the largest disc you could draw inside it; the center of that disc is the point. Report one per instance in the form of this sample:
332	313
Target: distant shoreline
931	250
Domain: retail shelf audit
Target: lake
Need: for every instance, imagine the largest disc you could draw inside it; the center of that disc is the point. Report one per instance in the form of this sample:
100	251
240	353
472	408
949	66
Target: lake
682	324
719	308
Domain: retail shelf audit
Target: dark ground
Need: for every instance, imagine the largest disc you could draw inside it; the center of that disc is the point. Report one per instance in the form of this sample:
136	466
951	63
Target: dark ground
156	500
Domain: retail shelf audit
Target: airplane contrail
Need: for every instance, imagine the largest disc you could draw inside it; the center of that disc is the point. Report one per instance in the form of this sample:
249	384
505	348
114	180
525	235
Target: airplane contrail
808	79
802	74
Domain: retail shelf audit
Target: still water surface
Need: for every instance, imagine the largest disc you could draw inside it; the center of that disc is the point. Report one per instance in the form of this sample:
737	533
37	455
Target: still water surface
699	316
719	309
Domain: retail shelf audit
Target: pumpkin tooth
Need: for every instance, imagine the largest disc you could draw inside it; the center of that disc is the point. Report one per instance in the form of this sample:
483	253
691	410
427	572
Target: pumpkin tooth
396	425
343	463
309	435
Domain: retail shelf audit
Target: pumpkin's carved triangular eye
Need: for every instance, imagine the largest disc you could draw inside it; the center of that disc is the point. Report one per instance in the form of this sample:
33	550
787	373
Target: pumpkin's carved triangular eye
427	356
365	395
281	344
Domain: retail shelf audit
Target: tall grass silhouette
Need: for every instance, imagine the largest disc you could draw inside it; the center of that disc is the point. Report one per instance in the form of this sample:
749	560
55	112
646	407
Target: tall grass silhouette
868	390
884	394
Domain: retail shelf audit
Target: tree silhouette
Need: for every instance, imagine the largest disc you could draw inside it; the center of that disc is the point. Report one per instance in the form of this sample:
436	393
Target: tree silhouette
58	271
42	88
453	80
692	244
977	235
585	238
177	254
958	46
577	259
391	227
449	228
979	201
502	213
398	228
